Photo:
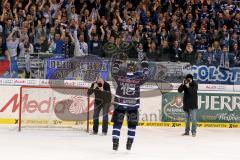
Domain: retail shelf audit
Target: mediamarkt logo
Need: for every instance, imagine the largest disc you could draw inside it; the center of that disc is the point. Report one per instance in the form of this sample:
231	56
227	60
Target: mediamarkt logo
43	106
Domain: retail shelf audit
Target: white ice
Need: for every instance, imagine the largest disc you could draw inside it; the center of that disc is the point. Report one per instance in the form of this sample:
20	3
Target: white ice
150	144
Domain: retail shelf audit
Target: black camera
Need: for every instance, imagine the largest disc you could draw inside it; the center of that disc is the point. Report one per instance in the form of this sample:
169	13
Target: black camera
186	81
99	85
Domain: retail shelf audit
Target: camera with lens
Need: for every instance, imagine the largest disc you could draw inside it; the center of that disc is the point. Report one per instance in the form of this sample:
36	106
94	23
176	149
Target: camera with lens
186	81
99	85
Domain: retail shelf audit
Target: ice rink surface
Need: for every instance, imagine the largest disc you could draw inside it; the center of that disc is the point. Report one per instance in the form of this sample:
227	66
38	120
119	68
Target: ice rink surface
150	144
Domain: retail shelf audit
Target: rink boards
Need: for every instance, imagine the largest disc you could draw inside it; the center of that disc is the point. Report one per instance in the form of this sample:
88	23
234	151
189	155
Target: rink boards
216	99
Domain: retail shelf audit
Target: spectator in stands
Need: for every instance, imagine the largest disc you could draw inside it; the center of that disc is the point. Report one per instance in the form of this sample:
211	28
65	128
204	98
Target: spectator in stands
189	54
92	24
41	45
95	45
164	51
57	45
199	60
175	52
81	47
13	41
224	59
234	39
68	47
153	52
235	50
26	48
141	53
4	54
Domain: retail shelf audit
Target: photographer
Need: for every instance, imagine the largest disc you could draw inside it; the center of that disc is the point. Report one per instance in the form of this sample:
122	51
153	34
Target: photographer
102	92
190	101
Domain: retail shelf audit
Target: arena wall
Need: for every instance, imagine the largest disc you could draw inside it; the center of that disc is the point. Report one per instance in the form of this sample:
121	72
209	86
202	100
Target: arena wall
219	104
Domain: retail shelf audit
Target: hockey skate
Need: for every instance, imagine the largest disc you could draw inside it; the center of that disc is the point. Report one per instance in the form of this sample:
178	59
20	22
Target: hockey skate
115	144
129	144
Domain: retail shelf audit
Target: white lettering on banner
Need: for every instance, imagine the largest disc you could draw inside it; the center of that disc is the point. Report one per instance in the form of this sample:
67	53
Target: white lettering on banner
216	74
206	102
213	102
225	102
230	103
236	102
228	117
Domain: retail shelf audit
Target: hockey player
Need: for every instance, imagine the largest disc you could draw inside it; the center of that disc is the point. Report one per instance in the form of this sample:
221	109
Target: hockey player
127	98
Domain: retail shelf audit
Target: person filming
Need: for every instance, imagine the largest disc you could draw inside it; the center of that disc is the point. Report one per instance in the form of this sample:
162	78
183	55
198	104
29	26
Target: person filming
102	92
190	103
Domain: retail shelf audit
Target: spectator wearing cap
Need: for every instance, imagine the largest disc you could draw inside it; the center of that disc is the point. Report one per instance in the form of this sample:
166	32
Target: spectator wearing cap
190	103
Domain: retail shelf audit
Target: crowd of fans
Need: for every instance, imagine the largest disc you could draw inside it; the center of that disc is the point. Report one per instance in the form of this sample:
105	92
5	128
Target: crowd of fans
196	31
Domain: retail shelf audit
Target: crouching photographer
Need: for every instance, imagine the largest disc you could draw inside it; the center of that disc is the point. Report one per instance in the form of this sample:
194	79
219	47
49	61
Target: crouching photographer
102	92
190	103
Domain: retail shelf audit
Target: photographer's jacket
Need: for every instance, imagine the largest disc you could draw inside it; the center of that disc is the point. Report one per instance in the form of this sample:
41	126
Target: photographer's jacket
101	97
190	99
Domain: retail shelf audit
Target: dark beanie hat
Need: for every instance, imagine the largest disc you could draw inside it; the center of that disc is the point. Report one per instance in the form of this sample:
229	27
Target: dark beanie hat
189	76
